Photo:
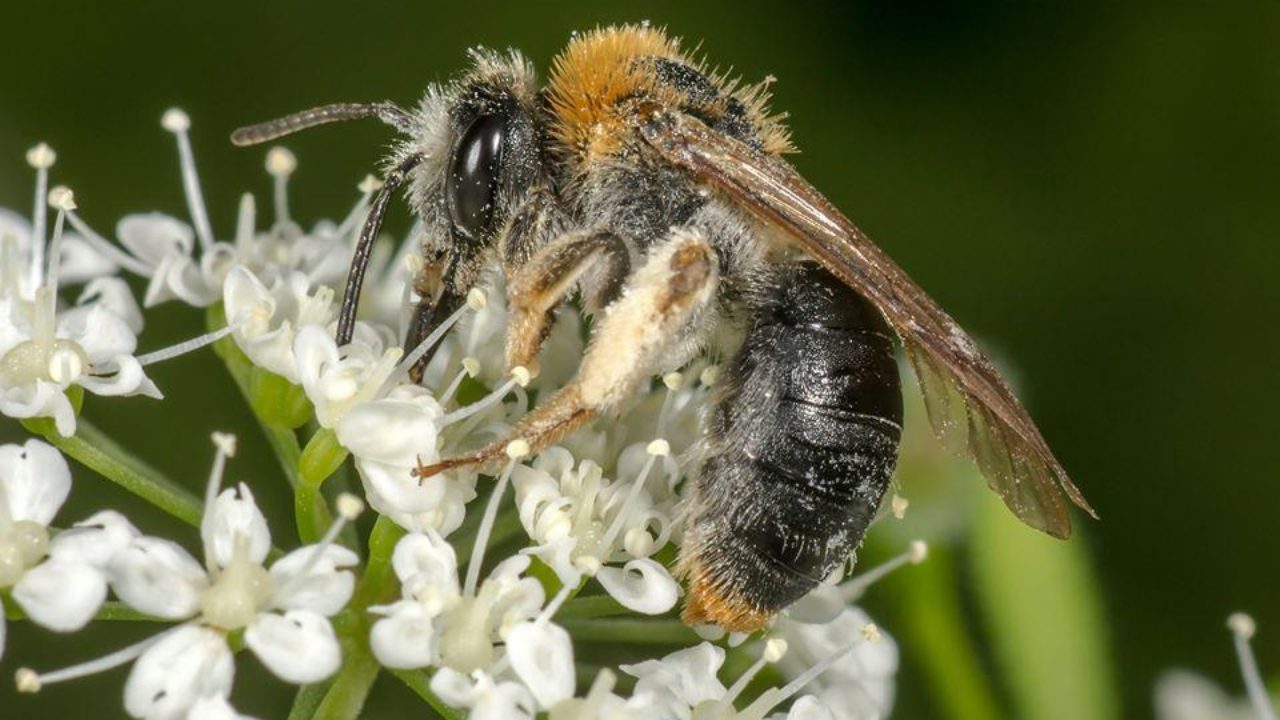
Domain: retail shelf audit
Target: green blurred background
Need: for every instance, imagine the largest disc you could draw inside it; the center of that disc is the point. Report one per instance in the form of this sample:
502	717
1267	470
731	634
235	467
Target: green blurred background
1092	188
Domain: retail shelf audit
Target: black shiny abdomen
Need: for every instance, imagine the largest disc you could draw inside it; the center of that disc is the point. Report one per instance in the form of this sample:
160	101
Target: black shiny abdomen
802	444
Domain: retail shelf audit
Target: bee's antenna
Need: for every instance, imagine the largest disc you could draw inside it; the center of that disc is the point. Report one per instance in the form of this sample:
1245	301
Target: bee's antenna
364	248
388	112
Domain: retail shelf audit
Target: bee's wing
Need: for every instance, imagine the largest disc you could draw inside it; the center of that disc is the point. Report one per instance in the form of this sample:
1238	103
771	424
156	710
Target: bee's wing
968	403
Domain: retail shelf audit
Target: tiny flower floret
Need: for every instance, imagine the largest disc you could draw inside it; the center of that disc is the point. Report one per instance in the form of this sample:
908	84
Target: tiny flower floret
59	583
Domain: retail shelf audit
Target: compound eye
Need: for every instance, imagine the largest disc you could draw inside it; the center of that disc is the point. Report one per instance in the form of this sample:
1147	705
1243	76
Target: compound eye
472	183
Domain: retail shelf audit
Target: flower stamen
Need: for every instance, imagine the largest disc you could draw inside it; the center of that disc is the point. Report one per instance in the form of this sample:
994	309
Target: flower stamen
774	650
1242	629
179	123
225	444
656	449
915	554
515	450
520	376
29	681
41	157
280	164
186	346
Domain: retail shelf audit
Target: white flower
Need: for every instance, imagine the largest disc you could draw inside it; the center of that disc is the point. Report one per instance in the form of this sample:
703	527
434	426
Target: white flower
44	352
388	437
337	380
683	685
601	703
164	246
859	685
283	611
541	654
79	261
266	320
58	584
1184	695
440	622
680	681
582	521
181	667
488	699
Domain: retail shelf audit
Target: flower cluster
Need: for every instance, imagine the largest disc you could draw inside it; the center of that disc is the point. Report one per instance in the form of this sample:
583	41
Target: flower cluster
478	609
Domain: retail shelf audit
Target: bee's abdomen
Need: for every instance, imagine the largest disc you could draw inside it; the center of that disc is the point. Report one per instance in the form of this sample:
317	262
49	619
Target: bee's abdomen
801	446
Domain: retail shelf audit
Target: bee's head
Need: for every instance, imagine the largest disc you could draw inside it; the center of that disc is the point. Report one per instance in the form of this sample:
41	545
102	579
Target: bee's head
480	142
471	156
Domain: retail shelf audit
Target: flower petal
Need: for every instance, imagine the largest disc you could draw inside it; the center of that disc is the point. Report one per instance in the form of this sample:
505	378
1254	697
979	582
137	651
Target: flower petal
299	647
114	294
39	399
325	589
152	236
102	334
126	378
641	585
189	663
35	480
541	654
395	430
95	540
215	707
426	558
61	595
158	577
683	678
235	518
405	638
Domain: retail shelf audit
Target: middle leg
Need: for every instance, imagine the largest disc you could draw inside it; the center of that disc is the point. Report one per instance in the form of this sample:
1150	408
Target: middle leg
660	309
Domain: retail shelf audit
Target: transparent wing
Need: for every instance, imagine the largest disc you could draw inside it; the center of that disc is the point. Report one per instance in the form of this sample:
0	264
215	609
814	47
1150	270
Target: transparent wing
969	405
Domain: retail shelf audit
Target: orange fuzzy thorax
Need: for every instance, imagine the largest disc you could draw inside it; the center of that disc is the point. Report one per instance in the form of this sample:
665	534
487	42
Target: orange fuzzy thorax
600	69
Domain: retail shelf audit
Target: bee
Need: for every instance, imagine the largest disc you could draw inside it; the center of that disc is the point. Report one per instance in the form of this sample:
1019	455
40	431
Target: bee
659	192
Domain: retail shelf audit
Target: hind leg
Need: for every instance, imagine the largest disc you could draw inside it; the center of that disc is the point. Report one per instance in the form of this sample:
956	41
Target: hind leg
657	312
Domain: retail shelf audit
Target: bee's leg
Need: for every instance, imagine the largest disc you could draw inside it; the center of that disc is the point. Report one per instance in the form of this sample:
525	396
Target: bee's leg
538	286
659	309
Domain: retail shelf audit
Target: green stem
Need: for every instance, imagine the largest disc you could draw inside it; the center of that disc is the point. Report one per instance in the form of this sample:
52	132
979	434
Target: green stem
596	606
320	460
284	443
346	694
634	632
308	700
100	453
420	683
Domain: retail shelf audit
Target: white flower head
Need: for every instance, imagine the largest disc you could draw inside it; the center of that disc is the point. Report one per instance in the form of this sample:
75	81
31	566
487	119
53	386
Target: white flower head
440	621
684	685
58	584
282	610
857	686
44	351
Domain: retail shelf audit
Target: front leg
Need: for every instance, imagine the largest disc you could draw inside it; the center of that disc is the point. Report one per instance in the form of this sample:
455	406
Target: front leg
659	310
542	282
